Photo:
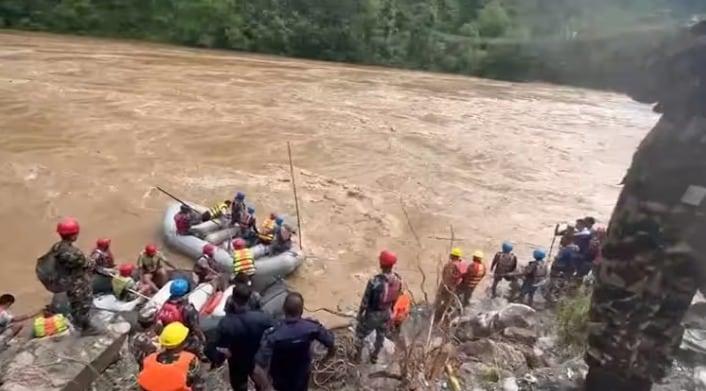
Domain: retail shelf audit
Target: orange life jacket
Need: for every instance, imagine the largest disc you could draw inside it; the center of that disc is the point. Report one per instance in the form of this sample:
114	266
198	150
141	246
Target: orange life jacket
156	376
400	312
476	272
50	325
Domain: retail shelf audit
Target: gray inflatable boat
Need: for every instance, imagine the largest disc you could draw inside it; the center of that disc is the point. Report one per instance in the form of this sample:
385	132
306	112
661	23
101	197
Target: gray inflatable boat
268	268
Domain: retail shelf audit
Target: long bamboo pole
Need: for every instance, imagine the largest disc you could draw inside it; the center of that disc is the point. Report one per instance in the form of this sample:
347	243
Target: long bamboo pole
296	199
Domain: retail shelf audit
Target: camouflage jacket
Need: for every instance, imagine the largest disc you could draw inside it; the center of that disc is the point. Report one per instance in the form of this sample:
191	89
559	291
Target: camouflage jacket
71	263
142	344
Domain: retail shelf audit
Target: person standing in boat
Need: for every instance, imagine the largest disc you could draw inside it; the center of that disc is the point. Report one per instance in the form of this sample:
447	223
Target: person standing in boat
267	229
248	226
101	255
243	261
151	263
178	309
237	208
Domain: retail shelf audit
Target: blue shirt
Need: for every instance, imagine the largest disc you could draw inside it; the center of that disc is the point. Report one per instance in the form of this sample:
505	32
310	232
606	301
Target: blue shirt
286	350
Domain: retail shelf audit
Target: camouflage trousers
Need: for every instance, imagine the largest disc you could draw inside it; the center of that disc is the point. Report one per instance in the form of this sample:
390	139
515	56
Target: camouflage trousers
650	271
80	295
378	321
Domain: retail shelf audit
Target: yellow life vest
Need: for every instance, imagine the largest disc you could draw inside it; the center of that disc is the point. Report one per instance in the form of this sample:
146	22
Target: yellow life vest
267	231
243	262
218	210
120	284
52	325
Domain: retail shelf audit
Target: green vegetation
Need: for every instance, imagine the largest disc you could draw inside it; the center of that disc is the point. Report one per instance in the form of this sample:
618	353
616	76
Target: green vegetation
572	320
591	42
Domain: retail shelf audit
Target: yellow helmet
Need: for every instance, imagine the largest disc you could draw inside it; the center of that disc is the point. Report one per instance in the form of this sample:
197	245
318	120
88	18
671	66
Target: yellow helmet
173	335
456	252
478	254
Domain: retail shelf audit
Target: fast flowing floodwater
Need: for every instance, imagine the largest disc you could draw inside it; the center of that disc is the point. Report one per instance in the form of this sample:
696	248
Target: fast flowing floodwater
88	127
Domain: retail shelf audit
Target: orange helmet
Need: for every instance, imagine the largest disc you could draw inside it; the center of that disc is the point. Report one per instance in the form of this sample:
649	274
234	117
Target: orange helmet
67	226
239	244
387	258
150	250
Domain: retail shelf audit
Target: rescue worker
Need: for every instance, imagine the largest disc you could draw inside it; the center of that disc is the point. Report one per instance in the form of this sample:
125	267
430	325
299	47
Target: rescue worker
101	255
174	368
248	226
243	260
74	271
451	277
185	219
238	337
144	342
504	264
217	211
533	276
267	229
375	311
255	300
285	351
474	274
151	267
178	309
561	272
282	239
653	256
10	325
237	208
123	283
207	268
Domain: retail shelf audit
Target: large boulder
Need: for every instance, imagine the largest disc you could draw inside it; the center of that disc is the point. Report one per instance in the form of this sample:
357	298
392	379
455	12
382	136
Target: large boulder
487	323
515	315
520	335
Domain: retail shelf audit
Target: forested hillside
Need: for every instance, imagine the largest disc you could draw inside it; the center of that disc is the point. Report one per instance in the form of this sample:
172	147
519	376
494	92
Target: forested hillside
586	42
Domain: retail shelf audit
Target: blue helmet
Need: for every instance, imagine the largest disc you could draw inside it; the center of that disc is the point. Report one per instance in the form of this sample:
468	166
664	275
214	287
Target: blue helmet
179	287
251	210
240	196
539	254
279	221
507	247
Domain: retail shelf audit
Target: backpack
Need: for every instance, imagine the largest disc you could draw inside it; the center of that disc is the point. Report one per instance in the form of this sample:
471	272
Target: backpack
170	313
386	290
48	274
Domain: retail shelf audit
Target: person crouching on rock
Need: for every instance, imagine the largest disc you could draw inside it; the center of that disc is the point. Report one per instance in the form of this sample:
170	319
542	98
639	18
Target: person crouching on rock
533	276
178	309
174	368
375	310
151	263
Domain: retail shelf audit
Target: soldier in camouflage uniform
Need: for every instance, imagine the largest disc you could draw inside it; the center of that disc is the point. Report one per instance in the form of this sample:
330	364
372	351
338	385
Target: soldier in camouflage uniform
144	342
652	258
74	272
375	310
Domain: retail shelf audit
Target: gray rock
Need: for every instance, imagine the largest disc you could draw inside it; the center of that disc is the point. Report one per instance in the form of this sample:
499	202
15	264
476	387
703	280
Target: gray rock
515	315
502	355
521	335
510	384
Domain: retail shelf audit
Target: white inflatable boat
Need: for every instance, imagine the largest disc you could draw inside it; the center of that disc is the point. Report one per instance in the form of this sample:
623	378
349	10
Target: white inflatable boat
269	268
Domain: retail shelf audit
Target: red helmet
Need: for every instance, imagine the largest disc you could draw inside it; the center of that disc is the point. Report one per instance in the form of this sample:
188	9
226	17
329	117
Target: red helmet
103	243
387	258
209	249
150	250
67	226
239	244
126	269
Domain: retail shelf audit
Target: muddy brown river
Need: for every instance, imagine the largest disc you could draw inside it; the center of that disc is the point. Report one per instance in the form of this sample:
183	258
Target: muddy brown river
89	126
